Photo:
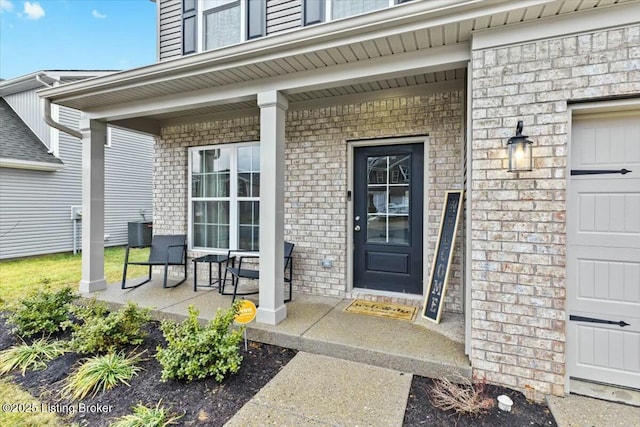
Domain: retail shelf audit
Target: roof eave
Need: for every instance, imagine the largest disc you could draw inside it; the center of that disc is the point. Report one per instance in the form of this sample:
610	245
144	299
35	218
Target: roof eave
313	37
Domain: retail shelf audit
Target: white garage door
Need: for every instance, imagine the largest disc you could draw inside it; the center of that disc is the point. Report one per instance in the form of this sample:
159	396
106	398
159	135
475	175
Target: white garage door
603	250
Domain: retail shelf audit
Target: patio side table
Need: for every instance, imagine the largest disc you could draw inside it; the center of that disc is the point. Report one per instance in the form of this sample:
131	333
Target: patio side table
210	259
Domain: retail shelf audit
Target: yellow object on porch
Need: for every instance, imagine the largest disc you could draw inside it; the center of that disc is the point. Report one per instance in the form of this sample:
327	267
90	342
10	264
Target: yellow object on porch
381	309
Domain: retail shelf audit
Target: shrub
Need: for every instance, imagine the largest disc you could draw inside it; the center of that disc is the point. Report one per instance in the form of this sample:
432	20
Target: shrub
101	331
30	356
460	394
44	311
147	417
100	373
196	351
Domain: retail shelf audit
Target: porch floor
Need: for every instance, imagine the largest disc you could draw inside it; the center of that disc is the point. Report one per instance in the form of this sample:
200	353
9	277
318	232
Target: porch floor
318	324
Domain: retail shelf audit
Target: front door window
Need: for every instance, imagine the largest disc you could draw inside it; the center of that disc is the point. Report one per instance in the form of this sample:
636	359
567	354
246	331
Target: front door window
388	199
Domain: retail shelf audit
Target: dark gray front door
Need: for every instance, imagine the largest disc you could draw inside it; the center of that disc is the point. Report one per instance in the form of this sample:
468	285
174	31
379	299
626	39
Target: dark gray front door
387	222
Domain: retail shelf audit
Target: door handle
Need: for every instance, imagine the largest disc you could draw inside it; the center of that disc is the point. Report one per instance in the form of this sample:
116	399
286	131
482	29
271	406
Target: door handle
356	228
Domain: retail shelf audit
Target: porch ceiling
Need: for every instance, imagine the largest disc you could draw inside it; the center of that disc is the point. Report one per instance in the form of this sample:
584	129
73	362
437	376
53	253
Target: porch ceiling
296	99
414	43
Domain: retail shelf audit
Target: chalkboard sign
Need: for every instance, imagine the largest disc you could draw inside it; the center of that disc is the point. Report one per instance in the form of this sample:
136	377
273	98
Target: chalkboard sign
434	299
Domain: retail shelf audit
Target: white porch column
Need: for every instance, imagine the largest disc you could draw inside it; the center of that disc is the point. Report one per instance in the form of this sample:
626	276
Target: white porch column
94	134
273	106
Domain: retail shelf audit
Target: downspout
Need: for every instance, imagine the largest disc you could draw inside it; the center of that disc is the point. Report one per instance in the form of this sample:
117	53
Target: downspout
49	120
47	114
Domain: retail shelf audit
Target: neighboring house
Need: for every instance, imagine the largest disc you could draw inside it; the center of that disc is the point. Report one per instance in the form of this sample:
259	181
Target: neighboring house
340	125
41	172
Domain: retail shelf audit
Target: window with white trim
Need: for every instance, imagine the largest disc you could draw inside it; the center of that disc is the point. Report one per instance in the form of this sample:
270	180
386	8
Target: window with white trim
224	197
316	11
345	8
222	23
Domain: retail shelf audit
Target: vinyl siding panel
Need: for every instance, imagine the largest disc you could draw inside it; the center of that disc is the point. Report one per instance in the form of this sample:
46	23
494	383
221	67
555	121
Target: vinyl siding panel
35	206
28	106
283	15
170	31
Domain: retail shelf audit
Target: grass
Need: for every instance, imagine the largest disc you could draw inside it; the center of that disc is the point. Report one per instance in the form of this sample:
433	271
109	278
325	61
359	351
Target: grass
100	373
30	356
146	417
12	394
60	270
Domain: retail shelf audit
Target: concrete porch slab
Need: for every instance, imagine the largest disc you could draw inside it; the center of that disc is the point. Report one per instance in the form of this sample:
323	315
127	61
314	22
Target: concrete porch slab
315	324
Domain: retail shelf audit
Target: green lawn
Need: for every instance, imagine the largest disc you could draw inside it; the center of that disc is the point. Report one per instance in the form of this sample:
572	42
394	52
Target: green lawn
19	276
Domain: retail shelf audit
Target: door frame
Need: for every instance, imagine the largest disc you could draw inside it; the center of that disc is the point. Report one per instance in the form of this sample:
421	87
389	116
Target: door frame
604	107
351	146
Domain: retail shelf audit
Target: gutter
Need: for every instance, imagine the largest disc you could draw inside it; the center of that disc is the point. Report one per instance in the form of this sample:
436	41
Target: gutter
47	113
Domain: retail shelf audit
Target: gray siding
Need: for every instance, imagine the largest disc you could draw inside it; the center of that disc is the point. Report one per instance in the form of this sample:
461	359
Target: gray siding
35	216
170	32
283	15
28	106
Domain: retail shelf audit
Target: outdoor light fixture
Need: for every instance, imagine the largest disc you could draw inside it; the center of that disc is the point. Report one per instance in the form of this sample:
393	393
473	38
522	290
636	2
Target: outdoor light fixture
520	151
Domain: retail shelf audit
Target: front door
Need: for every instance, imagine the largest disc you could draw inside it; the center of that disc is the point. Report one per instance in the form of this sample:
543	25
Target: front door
387	222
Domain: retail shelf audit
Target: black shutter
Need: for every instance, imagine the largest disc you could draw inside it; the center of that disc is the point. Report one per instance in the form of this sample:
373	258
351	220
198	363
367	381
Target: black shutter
312	12
256	19
189	27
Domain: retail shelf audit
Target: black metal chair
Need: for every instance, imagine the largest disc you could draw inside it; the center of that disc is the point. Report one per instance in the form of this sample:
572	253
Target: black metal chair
239	272
166	250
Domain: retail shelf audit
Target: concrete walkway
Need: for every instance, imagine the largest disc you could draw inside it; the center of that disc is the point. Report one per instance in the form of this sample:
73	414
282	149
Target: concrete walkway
314	390
580	411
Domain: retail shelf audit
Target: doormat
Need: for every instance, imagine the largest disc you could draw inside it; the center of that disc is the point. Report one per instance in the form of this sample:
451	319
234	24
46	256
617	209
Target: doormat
381	309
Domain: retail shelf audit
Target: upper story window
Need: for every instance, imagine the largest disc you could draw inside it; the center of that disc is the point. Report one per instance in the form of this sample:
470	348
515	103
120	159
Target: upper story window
222	23
316	11
212	24
345	8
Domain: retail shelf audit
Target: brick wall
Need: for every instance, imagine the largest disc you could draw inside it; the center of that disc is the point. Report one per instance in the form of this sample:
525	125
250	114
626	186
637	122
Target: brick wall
316	175
519	224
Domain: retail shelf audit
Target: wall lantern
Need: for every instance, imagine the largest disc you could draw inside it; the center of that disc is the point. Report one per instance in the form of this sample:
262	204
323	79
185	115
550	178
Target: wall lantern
520	151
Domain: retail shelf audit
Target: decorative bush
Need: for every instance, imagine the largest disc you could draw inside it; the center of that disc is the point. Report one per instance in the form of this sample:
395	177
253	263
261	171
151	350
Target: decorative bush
42	312
147	417
195	351
100	373
460	394
101	331
30	356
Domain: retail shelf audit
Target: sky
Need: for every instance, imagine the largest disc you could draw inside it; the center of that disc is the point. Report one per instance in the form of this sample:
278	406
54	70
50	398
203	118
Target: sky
76	35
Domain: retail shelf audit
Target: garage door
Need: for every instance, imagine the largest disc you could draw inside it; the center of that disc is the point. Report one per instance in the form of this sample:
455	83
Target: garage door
603	250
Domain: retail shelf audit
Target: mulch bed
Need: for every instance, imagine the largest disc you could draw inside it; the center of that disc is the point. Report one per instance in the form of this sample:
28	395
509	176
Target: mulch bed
207	403
203	402
523	413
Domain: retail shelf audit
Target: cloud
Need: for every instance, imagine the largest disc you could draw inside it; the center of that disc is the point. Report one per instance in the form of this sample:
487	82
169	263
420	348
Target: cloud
6	6
98	15
33	10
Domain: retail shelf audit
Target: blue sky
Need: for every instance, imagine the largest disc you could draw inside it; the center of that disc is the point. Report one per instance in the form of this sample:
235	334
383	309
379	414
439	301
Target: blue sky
75	35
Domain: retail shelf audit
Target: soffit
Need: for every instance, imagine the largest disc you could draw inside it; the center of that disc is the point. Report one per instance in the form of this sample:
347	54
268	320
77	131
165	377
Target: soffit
366	46
356	89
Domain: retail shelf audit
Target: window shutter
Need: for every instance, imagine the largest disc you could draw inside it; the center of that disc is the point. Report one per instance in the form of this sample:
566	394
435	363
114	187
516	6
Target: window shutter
312	12
256	19
189	27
